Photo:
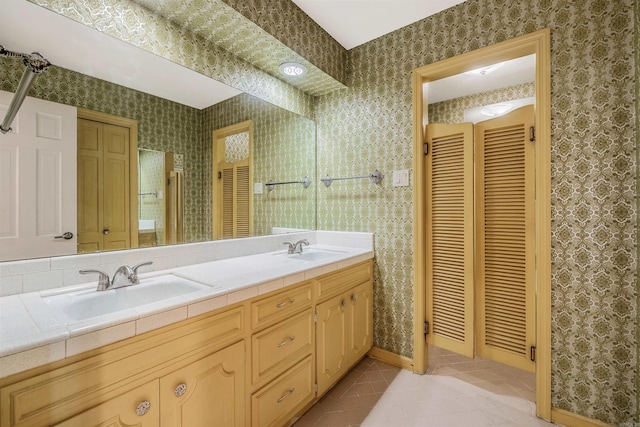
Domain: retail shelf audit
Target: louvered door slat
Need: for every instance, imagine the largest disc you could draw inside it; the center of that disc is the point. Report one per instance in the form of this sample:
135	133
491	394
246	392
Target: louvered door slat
449	259
242	201
504	227
227	203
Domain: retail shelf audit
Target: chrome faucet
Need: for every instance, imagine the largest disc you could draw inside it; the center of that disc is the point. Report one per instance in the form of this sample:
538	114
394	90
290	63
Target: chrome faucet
296	248
124	276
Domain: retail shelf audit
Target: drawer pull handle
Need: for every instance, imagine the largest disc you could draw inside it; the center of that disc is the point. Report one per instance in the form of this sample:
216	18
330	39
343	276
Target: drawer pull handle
180	389
143	408
287	394
353	297
343	302
287	341
282	304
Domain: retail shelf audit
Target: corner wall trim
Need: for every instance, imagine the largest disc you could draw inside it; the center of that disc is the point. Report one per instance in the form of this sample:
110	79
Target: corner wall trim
569	419
391	358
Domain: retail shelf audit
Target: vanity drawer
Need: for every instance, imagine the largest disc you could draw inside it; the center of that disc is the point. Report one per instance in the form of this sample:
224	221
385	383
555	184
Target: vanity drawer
335	283
278	345
280	306
277	402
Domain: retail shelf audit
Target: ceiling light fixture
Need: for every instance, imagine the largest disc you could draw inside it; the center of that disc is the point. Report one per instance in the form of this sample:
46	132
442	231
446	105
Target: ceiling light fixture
496	110
483	71
293	69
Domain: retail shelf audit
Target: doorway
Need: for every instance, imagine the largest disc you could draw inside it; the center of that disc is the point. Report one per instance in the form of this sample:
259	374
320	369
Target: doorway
107	182
232	177
537	43
480	230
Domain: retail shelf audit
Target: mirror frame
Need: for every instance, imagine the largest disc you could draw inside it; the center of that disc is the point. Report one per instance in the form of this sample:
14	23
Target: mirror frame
538	43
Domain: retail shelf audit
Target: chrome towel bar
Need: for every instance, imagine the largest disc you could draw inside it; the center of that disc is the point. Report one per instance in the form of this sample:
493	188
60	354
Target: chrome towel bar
375	177
271	185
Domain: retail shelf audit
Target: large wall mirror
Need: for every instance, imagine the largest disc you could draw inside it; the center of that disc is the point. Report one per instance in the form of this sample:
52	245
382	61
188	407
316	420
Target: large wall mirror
177	112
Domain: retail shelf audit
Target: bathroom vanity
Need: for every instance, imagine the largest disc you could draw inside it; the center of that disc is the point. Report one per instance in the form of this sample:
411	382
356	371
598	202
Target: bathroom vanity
256	355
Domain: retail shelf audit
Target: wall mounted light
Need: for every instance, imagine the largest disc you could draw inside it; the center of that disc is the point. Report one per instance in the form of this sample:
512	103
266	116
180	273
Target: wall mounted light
293	69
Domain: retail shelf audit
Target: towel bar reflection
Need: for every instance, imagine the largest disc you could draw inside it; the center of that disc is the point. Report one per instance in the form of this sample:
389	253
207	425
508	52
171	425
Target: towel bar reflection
306	182
375	177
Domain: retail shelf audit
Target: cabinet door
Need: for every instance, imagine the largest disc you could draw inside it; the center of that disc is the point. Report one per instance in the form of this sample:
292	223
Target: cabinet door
138	407
331	339
208	392
360	317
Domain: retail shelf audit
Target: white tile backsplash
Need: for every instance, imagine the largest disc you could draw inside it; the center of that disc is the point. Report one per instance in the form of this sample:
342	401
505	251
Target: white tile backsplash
44	280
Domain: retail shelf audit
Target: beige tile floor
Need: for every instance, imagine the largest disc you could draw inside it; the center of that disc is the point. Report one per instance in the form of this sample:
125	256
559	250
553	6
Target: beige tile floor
455	392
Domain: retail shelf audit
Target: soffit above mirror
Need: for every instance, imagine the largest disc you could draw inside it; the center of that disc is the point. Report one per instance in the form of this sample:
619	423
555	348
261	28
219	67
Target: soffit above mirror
222	25
136	25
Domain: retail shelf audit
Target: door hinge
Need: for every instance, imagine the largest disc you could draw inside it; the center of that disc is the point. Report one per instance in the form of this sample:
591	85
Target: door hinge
426	327
315	388
219	175
532	353
426	148
532	133
315	317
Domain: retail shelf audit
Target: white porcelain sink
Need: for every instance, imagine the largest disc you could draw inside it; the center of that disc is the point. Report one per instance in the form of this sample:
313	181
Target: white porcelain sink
313	254
85	304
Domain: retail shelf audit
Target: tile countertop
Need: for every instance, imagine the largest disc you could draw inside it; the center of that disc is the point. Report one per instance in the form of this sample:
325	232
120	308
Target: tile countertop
31	334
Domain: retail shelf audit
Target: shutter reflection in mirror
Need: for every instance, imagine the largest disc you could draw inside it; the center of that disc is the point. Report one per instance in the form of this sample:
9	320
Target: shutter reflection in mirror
449	228
505	238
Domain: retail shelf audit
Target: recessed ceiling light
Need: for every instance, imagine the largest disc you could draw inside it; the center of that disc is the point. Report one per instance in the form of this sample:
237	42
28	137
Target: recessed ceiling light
483	71
293	69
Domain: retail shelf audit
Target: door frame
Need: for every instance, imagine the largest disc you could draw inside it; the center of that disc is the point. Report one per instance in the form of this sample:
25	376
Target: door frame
538	43
132	125
216	152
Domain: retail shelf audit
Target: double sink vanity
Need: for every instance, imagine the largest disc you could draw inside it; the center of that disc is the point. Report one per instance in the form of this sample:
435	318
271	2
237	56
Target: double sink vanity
251	340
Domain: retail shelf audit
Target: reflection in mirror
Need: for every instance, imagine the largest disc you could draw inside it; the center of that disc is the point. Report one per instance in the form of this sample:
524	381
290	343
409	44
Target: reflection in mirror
488	93
160	198
284	145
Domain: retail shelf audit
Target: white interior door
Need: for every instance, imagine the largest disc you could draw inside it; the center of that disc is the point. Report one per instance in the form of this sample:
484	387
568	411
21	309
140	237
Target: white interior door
38	180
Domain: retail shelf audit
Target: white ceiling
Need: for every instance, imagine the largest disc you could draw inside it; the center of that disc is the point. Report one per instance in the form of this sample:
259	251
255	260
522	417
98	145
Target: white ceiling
355	22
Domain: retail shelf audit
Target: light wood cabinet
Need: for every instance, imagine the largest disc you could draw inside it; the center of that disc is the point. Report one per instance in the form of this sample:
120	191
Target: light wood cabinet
137	407
343	332
276	403
206	390
256	363
209	389
90	388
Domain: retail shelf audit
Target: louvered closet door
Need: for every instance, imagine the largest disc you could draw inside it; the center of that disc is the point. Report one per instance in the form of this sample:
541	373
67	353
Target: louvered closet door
505	229
236	200
449	255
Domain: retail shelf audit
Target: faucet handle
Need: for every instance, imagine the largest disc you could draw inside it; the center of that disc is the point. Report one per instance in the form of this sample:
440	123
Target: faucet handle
103	279
134	278
292	247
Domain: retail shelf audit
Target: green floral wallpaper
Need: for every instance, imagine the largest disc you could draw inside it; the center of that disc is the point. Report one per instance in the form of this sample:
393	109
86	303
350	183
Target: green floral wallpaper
594	214
130	22
284	150
636	42
162	125
223	26
452	110
595	138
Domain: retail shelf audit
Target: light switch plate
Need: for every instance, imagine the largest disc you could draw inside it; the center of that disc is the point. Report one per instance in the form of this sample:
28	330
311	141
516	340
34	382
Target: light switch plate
401	178
257	188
